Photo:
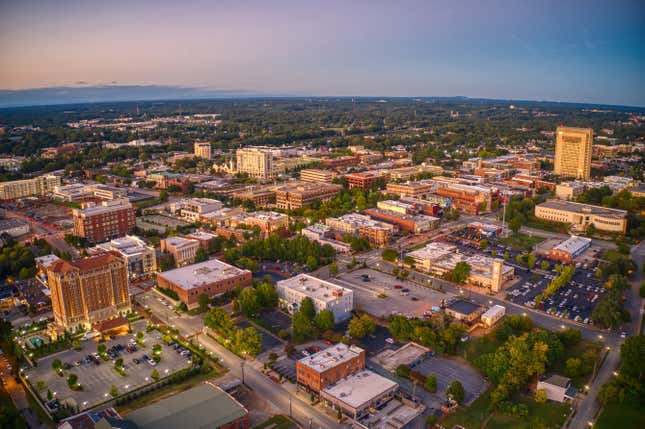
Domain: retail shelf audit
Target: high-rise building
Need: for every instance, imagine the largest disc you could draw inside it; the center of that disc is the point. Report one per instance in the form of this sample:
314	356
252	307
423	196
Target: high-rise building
573	152
256	162
203	150
89	291
105	221
38	186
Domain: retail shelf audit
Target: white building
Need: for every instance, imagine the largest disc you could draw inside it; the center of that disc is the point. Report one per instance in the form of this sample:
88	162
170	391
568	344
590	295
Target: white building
324	294
493	314
141	258
193	208
257	162
557	388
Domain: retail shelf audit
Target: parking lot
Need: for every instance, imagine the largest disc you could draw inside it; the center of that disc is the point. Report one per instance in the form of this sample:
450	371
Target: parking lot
574	301
96	379
401	297
276	319
447	371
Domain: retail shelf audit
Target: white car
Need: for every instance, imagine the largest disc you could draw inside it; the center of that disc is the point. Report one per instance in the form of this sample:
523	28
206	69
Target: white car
389	340
623	334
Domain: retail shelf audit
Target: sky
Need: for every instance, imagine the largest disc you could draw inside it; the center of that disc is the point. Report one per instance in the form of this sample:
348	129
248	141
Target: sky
567	50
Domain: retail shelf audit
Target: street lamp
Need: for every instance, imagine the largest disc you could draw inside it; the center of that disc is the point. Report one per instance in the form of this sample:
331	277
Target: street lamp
242	366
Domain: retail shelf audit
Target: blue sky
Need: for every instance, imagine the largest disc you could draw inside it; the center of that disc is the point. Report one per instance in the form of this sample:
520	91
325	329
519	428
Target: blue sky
580	51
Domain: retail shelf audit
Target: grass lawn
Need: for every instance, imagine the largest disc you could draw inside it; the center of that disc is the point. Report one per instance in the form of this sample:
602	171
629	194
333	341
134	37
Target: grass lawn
521	241
628	415
280	422
548	415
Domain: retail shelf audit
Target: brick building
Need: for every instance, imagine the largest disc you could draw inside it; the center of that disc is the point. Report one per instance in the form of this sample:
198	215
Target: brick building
105	221
326	367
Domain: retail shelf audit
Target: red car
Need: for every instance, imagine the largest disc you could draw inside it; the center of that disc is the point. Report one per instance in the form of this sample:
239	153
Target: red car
398	287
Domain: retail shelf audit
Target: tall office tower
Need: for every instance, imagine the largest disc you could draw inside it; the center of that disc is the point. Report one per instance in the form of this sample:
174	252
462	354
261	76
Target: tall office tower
203	150
256	162
573	152
88	291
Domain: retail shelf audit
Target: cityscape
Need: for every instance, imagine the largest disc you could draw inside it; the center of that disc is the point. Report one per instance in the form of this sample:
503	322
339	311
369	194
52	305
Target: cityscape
280	249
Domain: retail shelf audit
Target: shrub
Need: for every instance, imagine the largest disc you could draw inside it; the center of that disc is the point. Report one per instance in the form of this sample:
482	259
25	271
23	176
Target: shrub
403	371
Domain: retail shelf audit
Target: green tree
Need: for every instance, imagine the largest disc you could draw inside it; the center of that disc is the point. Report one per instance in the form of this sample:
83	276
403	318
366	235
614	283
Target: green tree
267	295
483	244
530	260
632	371
203	301
201	255
403	371
460	273
456	392
361	326
324	320
333	268
57	364
515	224
114	392
249	301
163	196
72	379
307	308
544	265
154	375
248	341
301	327
540	396
641	290
573	367
76	345
312	263
431	383
609	311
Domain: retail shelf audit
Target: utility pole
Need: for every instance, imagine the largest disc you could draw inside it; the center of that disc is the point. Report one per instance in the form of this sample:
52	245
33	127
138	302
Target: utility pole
242	366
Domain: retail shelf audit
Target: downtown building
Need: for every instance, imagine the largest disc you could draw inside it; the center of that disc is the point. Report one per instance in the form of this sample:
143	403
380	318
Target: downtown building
581	216
256	162
140	258
301	194
324	294
36	187
573	148
211	278
356	224
87	292
105	221
202	150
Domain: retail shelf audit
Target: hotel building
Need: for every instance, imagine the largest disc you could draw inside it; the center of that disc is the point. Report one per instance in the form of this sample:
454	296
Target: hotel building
573	152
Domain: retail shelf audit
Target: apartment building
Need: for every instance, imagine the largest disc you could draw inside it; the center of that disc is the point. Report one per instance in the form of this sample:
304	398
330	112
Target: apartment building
324	235
414	223
466	198
328	366
580	216
257	162
377	233
317	175
573	152
88	291
301	194
260	197
366	180
420	189
35	187
140	258
104	221
268	222
204	238
203	150
192	209
325	295
211	278
183	250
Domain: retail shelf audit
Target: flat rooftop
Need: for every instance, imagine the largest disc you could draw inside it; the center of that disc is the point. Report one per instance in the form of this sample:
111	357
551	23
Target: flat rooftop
433	251
331	357
201	407
464	307
583	208
315	288
573	244
390	359
10	223
358	389
201	235
202	273
178	241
